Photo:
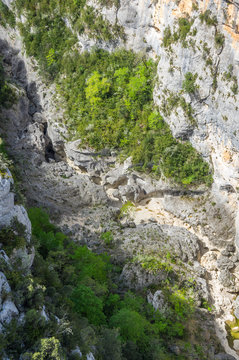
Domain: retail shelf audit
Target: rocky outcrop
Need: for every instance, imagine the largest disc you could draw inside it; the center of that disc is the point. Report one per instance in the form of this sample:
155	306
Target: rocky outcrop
8	309
8	210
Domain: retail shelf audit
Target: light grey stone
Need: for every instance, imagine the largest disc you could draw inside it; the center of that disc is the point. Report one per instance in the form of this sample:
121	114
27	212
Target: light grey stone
8	312
90	356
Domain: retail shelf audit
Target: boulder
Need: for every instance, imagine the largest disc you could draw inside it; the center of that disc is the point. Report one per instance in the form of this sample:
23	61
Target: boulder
90	356
157	300
8	312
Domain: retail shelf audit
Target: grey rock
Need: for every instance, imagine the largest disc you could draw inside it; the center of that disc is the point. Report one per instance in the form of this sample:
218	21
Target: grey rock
236	345
184	244
9	211
44	314
137	278
94	163
236	307
175	349
229	188
231	248
226	278
26	258
152	220
4	287
223	356
235	259
8	312
223	262
57	133
90	356
39	118
5	258
157	300
8	2
225	253
77	351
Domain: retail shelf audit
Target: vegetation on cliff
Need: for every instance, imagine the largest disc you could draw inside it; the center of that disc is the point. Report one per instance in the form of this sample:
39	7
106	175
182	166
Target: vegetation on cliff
86	305
108	97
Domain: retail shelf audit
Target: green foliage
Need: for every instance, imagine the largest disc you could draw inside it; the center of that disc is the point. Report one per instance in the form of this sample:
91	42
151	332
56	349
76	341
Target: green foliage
180	34
126	209
108	97
181	303
208	19
109	345
88	304
49	349
184	27
85	307
7	95
13	237
91	265
183	163
107	237
219	39
47	234
6	16
228	76
52	39
234	87
167	37
189	83
154	264
130	323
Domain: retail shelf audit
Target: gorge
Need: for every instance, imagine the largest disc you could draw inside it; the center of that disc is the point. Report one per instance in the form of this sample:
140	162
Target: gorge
173	239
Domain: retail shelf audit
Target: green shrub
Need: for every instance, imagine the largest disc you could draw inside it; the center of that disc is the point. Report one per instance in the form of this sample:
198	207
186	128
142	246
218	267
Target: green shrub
189	83
130	323
86	303
13	236
107	237
184	27
167	37
208	19
49	349
126	209
219	39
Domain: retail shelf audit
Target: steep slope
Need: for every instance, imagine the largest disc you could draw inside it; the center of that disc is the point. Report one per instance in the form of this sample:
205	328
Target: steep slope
53	176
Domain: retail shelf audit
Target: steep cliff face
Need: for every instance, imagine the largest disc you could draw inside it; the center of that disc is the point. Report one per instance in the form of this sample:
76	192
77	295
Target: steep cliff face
8	210
197	93
201	39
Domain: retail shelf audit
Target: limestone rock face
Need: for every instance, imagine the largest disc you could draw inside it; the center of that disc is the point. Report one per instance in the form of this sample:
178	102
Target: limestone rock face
157	300
8	2
90	356
200	225
9	211
206	115
8	309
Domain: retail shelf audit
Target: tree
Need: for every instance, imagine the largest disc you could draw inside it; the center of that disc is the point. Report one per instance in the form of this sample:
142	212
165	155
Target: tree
97	88
49	349
86	303
130	323
109	345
